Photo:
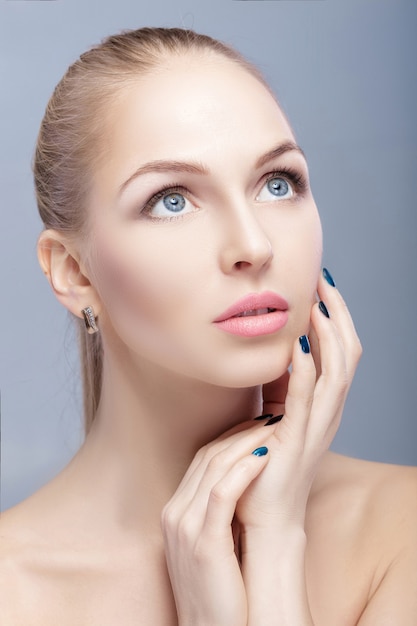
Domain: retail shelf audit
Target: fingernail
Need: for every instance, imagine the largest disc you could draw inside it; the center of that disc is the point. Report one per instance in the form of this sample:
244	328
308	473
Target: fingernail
323	309
305	344
328	277
260	451
263	417
274	420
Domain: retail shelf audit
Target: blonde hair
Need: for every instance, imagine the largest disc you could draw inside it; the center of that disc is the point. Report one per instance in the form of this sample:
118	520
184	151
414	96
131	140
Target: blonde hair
69	139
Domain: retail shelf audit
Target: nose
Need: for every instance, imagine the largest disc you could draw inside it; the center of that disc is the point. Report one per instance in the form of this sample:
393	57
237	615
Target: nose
245	244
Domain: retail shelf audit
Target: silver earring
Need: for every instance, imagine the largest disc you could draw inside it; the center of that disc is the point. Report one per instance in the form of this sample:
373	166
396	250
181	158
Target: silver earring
90	320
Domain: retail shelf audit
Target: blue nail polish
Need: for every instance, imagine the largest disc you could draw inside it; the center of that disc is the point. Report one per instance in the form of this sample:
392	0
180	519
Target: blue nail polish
274	420
328	277
305	344
266	416
323	309
260	451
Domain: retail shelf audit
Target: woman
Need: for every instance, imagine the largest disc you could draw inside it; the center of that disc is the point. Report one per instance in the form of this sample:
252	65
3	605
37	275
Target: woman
181	231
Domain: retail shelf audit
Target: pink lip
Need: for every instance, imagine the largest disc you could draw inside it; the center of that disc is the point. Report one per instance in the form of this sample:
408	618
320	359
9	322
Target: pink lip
265	323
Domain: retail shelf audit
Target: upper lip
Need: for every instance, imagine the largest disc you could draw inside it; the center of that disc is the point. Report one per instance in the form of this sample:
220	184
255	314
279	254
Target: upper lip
252	302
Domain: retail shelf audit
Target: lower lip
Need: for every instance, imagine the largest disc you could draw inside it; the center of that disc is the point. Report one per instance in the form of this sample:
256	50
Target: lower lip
254	325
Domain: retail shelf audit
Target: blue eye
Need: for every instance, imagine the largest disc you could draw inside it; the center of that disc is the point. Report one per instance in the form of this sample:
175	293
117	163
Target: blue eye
276	187
174	202
168	203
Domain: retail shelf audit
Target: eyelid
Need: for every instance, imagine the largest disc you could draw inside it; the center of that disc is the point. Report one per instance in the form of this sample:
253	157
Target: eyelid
297	179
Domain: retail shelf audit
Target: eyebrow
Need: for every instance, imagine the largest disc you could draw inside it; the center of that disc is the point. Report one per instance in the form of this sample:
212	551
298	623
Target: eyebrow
165	166
191	167
282	148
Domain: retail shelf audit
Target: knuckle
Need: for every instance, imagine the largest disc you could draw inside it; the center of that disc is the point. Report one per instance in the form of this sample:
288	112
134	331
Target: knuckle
202	452
245	466
169	518
208	452
217	461
219	493
185	530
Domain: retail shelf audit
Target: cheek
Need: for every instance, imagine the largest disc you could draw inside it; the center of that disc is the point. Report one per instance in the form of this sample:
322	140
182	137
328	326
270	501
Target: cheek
304	249
312	245
119	284
314	253
300	247
141	289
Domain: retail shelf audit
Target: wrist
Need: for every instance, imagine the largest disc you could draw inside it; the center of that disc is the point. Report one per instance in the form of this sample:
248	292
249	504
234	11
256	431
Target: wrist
273	569
280	541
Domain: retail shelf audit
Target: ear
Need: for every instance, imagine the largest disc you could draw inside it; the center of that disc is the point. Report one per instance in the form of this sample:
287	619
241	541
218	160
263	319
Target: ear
60	263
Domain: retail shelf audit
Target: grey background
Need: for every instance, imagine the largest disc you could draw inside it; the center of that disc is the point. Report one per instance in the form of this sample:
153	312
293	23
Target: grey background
345	72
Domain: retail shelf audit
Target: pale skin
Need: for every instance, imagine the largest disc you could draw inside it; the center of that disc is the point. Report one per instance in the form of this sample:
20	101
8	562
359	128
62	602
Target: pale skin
164	516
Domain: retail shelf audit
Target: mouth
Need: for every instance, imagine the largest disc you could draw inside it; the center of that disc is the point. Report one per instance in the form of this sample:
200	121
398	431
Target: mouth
254	315
254	305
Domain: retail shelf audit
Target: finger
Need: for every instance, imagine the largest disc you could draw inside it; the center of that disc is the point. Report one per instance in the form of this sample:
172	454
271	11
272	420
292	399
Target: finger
299	396
212	462
186	512
207	451
332	386
274	395
341	317
226	492
221	463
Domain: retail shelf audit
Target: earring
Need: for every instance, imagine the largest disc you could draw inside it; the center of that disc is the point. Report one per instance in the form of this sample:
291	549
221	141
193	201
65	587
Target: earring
90	320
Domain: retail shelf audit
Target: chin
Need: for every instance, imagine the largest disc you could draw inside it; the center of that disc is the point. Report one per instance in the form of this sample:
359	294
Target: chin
258	378
259	370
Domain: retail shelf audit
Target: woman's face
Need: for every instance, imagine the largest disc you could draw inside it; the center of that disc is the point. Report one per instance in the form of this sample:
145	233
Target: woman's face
202	200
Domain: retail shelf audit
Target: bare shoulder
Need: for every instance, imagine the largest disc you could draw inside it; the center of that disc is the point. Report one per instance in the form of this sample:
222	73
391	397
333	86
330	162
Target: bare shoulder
362	543
382	496
381	484
365	515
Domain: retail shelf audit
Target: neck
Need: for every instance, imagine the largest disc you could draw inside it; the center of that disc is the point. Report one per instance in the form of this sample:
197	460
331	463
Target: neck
147	430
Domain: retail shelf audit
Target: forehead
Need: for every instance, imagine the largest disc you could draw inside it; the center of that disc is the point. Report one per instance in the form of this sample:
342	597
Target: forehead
194	90
194	107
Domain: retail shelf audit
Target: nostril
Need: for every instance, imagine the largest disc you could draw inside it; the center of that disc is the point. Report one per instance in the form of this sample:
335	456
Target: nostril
241	264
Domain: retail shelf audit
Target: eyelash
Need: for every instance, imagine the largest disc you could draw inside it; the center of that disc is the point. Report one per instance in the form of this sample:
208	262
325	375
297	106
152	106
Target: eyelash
165	190
296	178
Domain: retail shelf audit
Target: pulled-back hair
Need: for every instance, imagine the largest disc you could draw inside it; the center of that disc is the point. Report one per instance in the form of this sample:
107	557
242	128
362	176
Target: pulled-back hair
70	143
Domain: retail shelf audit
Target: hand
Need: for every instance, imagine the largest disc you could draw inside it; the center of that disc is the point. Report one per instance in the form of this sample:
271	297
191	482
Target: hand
197	526
311	398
